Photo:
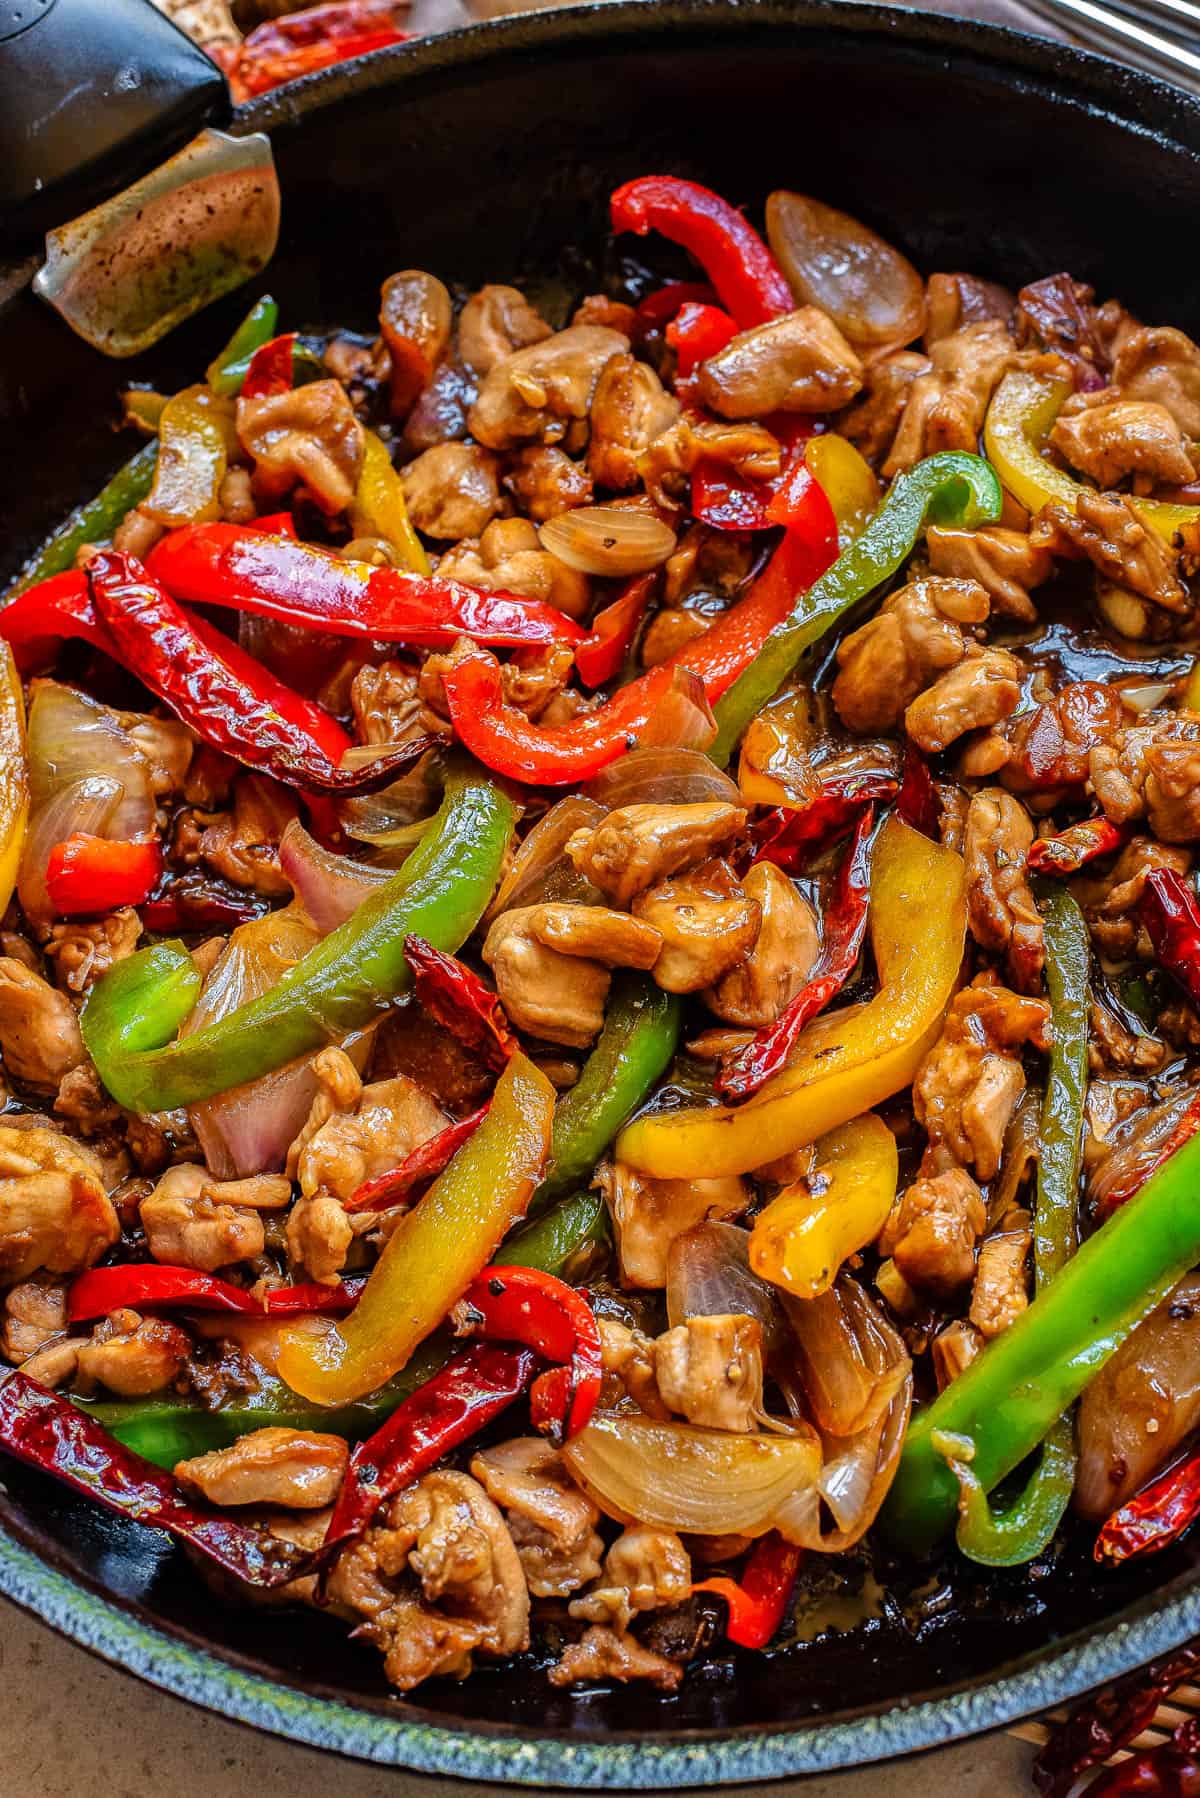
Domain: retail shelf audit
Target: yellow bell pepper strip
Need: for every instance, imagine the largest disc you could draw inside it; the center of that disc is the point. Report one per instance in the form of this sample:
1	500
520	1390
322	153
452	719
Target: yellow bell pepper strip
848	480
379	509
227	371
14	774
1015	433
346	980
800	1241
94	522
845	1061
950	488
434	1252
195	437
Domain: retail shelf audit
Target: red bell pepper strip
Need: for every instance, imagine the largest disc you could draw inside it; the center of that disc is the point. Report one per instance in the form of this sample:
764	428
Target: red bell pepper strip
232	565
151	1285
447	1410
274	524
156	640
1069	850
91	874
659	307
199	901
270	369
423	1165
697	333
792	837
457	999
758	1600
602	653
47	1432
523	1304
748	280
1155	1517
917	801
1169	911
843	928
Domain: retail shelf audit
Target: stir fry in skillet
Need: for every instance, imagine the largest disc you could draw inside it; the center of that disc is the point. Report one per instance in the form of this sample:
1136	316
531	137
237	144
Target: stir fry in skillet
602	986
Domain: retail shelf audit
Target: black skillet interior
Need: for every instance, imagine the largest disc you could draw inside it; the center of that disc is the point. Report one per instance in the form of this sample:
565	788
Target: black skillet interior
489	156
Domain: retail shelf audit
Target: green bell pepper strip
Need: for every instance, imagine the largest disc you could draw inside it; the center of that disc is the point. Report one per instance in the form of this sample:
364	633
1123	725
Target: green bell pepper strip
167	1430
440	894
948	489
634	1049
1019	1533
227	372
1012	1394
94	522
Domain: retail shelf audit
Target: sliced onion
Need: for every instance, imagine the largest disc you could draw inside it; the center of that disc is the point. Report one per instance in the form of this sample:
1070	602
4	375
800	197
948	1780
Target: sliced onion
412	799
541	871
873	294
709	1275
677	1477
1133	1150
1022	1141
608	540
683	718
1146	695
662	777
853	1482
853	1360
330	887
84	805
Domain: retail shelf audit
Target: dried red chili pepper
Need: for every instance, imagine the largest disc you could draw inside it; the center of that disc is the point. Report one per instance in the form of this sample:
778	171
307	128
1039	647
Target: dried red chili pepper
727	501
602	653
749	281
1155	1517
270	371
1109	1722
758	1600
424	1164
1169	911
1172	1770
197	901
284	49
276	577
525	1304
843	928
457	999
447	1410
152	1285
91	874
792	837
917	801
47	1432
1068	850
157	641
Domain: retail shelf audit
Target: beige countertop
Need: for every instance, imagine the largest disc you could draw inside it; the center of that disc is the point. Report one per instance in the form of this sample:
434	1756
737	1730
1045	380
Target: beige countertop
88	1731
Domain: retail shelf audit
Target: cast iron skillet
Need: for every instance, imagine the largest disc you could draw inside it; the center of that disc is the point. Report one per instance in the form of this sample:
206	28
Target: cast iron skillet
480	155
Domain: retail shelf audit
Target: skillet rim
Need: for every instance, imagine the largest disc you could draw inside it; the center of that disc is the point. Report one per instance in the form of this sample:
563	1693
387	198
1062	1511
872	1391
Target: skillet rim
411	1738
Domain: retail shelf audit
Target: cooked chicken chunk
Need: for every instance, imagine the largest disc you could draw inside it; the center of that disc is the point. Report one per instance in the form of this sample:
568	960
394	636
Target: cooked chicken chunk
1000	1293
319	1237
1161	366
981	691
83	952
534	677
35	1312
1150	770
747	449
453	490
187	1222
871	422
387	703
243	845
952	301
1004	563
1123	437
603	1654
1110	901
495	322
953	1351
630	408
710	1370
1105	528
782	959
307	435
932	1231
945	408
552	1523
535	393
708	924
415	318
797	363
132	1355
301	1470
646	1569
54	1212
509	556
916	635
1000	905
649	1214
544	482
389	1119
551	964
638	845
629	1368
968	1085
39	1028
1050	747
